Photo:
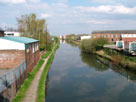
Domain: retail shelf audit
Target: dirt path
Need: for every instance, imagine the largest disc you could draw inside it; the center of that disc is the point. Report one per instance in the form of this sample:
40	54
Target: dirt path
31	93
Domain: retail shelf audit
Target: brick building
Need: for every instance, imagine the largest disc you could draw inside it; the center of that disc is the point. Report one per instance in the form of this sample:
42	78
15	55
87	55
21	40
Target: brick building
1	33
113	36
15	50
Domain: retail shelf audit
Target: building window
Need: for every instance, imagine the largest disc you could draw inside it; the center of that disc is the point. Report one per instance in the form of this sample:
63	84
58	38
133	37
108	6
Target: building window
33	48
27	50
37	46
112	36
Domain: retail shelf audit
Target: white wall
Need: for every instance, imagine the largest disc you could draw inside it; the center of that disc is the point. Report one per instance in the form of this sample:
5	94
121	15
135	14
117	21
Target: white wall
14	33
11	45
128	35
85	37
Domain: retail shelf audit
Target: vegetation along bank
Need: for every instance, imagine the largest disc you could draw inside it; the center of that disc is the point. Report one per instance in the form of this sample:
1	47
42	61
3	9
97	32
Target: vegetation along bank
96	46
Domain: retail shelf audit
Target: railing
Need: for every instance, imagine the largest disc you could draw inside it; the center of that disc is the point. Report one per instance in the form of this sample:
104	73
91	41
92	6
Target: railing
10	77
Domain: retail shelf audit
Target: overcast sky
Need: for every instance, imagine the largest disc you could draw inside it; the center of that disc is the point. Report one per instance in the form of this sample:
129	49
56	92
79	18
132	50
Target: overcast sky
73	16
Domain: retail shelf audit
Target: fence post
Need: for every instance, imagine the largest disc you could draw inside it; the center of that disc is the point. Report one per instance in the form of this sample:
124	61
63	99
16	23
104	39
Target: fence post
6	88
23	74
15	83
19	77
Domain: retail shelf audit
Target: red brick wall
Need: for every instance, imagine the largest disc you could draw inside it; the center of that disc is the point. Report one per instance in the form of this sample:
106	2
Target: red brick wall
32	58
110	37
11	58
127	40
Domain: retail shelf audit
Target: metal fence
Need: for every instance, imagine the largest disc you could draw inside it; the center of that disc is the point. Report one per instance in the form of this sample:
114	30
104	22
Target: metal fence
10	77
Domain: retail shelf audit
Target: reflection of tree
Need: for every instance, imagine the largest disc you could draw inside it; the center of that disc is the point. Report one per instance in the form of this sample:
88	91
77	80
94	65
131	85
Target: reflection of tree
93	62
126	73
72	44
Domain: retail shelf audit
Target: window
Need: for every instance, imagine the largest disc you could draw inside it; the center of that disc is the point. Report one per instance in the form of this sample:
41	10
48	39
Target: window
33	48
27	50
37	46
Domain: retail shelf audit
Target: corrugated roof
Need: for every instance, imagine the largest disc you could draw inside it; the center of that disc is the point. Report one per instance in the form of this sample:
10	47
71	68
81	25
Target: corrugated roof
24	40
115	32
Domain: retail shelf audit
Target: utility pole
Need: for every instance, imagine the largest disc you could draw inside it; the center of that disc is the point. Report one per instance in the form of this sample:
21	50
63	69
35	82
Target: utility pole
46	37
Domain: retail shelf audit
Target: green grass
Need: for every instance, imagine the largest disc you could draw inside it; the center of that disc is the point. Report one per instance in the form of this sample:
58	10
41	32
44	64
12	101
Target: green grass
56	46
22	91
43	78
45	55
42	82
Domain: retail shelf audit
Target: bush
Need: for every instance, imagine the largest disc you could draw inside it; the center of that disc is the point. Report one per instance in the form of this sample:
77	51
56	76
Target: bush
93	45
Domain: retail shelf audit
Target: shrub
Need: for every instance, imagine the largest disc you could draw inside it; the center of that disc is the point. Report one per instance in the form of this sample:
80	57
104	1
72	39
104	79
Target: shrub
93	45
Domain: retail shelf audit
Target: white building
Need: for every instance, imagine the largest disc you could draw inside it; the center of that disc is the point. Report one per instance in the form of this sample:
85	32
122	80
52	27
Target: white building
85	37
8	33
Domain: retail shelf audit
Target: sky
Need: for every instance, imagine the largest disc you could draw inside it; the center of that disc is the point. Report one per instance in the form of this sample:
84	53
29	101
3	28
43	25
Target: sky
72	16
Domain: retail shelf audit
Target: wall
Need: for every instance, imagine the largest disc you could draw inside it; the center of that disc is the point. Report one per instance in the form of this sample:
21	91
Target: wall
11	58
11	81
110	37
7	33
32	57
1	33
11	45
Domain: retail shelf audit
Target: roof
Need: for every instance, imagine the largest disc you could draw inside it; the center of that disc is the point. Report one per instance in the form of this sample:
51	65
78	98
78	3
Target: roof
115	32
24	40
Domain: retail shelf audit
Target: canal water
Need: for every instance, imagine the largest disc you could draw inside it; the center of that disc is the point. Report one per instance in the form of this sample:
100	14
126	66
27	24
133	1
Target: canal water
78	77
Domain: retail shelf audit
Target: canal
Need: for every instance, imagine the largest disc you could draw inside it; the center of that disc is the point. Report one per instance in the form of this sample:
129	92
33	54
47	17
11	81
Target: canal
78	77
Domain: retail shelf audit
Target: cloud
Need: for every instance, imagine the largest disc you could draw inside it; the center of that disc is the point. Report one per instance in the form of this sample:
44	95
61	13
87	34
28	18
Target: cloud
13	1
117	9
45	15
96	22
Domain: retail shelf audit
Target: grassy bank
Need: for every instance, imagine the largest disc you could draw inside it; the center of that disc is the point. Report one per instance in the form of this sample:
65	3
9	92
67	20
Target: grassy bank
42	82
124	61
24	87
21	93
45	55
43	78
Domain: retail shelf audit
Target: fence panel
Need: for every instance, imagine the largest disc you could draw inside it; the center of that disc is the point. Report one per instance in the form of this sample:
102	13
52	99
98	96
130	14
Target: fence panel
8	78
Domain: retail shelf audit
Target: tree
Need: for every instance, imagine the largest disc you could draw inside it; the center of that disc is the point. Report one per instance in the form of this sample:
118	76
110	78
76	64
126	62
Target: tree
30	26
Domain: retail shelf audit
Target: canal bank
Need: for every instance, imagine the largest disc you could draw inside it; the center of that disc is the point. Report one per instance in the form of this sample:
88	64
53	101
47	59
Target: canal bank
78	77
29	91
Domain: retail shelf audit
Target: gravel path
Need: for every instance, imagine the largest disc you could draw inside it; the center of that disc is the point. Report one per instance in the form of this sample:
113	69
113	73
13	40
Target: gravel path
31	93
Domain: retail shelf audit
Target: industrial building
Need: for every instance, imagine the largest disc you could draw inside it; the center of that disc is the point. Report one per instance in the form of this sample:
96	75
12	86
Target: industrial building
12	33
113	36
15	50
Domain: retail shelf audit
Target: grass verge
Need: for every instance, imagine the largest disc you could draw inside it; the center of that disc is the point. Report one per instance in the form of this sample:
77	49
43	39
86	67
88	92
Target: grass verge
45	55
22	91
42	81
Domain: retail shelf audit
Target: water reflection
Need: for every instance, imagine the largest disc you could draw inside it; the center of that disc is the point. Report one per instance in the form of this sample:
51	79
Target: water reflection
79	77
93	62
98	64
130	75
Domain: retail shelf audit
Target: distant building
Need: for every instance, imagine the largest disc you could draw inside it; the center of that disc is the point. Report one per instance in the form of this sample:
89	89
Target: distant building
84	37
113	36
14	50
1	33
12	33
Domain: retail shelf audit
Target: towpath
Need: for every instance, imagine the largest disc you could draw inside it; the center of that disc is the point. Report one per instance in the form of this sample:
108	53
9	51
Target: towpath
31	93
